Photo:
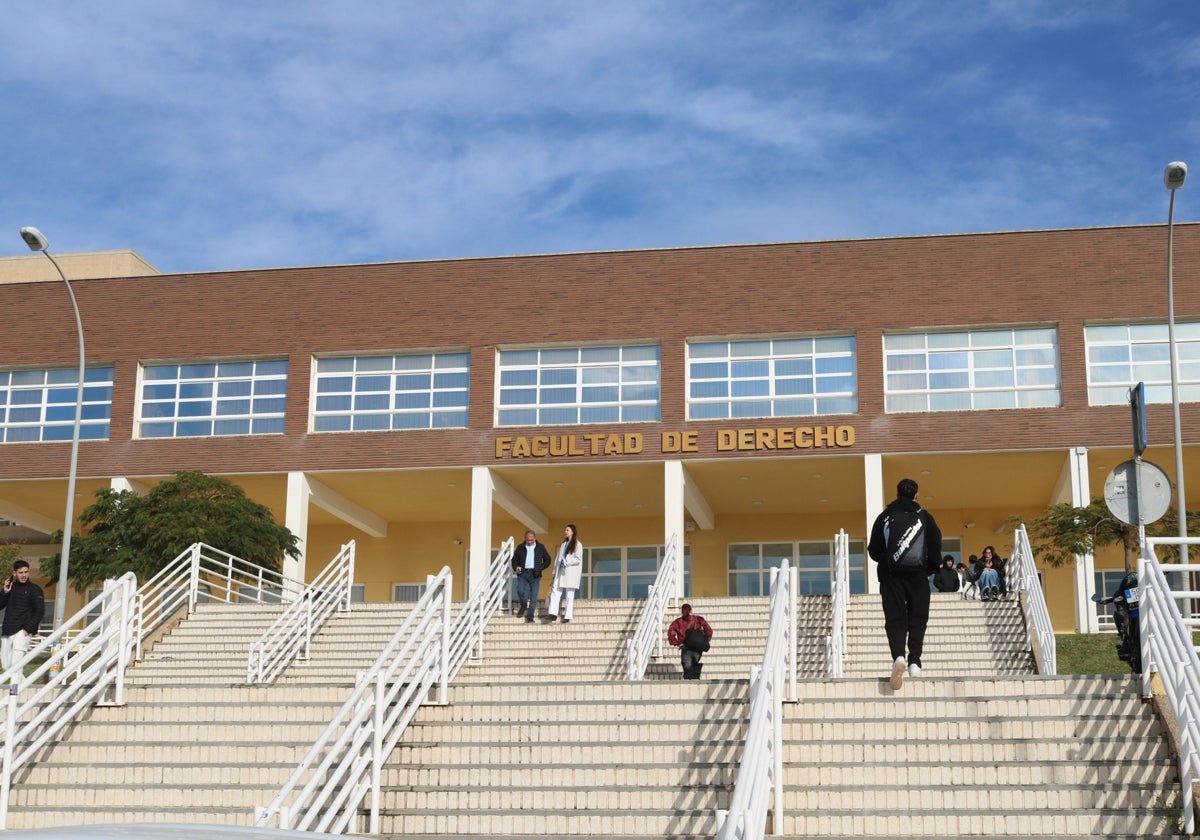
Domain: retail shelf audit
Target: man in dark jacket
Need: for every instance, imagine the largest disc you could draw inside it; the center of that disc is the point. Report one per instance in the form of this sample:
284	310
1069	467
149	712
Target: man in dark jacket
23	605
529	561
904	563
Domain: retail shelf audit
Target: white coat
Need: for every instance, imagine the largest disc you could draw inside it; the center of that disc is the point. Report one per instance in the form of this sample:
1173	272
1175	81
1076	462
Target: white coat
568	568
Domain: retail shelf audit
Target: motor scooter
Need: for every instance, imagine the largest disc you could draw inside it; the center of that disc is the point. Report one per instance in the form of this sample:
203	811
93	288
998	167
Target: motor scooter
1125	615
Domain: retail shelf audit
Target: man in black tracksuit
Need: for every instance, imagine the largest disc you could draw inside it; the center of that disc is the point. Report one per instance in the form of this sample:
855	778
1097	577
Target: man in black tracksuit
905	593
23	605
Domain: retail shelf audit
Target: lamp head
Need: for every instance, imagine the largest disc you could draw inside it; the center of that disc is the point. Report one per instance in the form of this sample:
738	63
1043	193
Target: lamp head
34	239
1175	174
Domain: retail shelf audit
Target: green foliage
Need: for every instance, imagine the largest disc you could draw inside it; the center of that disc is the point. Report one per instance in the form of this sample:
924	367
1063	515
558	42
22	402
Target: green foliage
1065	530
9	554
127	532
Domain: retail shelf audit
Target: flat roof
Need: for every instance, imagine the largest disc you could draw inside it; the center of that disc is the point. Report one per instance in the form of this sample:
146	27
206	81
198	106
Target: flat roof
84	265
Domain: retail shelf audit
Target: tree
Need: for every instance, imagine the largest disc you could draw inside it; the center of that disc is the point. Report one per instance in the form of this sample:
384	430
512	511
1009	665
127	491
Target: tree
124	532
1065	530
9	554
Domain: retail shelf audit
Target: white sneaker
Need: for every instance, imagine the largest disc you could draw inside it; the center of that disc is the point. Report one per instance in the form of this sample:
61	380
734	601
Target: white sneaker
898	669
914	670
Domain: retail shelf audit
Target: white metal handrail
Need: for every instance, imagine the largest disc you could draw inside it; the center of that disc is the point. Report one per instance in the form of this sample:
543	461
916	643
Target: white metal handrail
290	637
839	602
466	633
344	766
647	638
1021	575
759	786
73	676
202	572
1168	650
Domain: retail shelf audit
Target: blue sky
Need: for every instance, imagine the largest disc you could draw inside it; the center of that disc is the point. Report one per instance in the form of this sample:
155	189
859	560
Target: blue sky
208	134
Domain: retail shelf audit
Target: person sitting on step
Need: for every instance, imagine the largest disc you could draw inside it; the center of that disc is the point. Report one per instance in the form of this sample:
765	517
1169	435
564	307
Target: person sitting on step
989	580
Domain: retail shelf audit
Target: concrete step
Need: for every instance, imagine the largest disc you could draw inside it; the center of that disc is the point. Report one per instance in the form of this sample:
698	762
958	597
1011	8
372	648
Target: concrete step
974	822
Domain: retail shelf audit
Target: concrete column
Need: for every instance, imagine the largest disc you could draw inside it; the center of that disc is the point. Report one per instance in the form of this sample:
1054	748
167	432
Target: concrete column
1085	564
876	500
295	519
121	484
674	490
479	555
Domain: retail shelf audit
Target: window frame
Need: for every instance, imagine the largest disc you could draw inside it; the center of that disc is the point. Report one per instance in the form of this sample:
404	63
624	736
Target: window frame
857	561
930	357
394	413
624	574
1147	340
559	386
98	383
771	384
274	421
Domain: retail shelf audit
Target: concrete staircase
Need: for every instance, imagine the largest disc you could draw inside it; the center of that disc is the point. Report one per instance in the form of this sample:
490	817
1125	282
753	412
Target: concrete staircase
543	737
956	752
1034	756
194	743
963	639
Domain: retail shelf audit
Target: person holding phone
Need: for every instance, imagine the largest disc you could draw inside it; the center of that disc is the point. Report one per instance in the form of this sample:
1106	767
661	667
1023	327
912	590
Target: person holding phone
23	604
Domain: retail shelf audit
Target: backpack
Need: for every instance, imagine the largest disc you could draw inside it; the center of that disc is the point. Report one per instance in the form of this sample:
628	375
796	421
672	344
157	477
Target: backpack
973	572
695	640
904	534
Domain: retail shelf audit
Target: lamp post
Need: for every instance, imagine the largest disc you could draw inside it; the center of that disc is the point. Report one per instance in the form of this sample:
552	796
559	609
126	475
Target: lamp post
1173	177
37	242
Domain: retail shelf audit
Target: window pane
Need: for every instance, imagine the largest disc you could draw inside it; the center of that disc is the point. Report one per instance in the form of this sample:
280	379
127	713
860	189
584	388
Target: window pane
970	370
396	392
762	377
579	385
41	404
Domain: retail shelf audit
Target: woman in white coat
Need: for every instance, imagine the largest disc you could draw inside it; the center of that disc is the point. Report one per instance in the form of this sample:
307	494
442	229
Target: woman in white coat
568	573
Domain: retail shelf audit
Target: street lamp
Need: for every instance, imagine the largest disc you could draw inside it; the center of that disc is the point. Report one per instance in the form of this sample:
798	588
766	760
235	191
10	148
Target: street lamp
1173	177
37	242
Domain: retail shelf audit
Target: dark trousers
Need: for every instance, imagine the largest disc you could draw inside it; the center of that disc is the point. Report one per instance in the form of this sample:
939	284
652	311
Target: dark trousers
690	660
527	591
905	614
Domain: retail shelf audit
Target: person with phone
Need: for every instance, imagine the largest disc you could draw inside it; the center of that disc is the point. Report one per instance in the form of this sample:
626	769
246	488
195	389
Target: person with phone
23	604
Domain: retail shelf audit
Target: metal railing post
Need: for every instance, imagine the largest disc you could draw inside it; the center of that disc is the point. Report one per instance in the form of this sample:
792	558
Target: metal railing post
444	653
194	578
352	545
777	756
124	633
376	755
10	731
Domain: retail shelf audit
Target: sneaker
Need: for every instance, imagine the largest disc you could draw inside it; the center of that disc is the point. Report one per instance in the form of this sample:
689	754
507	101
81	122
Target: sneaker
521	611
898	669
529	619
914	670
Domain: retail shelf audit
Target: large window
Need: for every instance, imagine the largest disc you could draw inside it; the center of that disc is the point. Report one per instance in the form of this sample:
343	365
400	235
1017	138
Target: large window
574	385
750	566
1106	582
39	405
205	399
781	377
1122	355
377	393
625	572
965	371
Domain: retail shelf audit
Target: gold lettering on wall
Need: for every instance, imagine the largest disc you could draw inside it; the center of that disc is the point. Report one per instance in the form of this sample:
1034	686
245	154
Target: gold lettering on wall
633	443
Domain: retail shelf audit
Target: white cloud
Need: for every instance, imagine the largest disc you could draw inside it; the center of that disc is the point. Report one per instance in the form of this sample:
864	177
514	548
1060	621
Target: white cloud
228	134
